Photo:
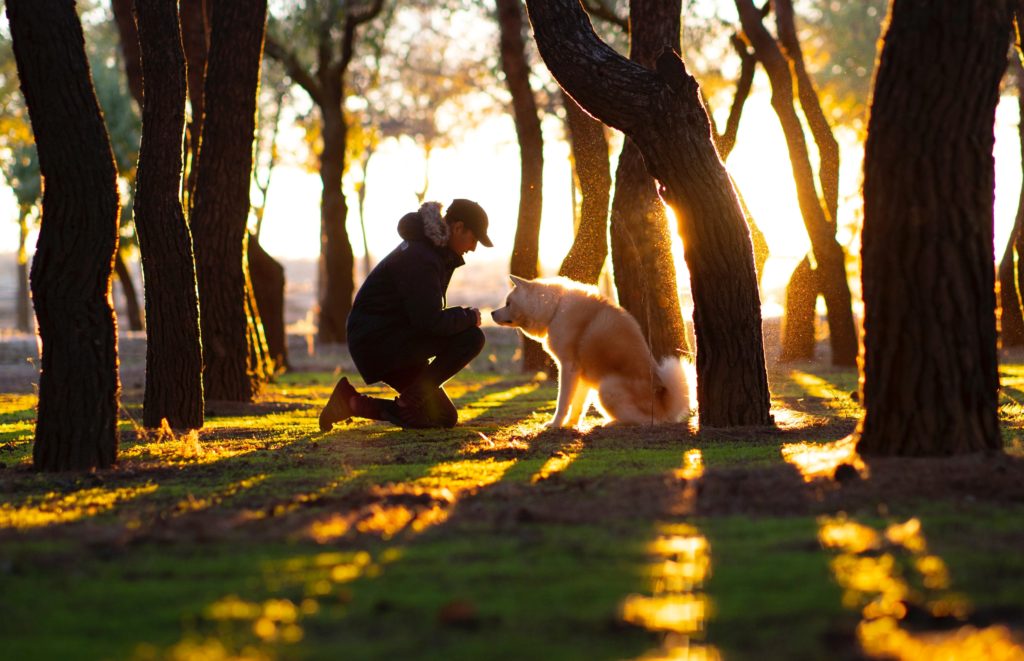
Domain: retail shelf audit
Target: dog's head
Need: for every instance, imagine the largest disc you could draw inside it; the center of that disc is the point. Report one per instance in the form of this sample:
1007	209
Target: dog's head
529	307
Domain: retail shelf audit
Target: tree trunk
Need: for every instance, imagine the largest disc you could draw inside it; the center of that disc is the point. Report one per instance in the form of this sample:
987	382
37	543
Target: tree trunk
586	257
645	273
337	258
828	254
195	41
23	310
642	262
76	426
129	37
662	112
131	297
526	247
174	357
1011	322
221	200
798	322
930	377
1011	274
268	286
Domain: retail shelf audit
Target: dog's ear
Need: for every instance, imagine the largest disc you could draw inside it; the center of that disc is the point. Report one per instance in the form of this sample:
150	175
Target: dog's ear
517	281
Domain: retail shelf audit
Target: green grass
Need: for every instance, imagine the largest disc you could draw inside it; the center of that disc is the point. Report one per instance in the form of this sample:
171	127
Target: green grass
263	537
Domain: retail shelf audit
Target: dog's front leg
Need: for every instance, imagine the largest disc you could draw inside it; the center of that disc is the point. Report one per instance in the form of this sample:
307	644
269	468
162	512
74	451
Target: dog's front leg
568	382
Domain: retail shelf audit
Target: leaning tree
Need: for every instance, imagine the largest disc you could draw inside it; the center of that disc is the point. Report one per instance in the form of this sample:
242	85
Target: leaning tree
930	377
76	426
662	113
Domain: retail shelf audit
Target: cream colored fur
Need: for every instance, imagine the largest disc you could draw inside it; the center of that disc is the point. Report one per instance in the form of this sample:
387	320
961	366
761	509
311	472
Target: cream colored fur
598	346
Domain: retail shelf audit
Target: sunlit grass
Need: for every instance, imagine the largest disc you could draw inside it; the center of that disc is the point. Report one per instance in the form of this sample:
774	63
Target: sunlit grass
54	508
820	460
876	581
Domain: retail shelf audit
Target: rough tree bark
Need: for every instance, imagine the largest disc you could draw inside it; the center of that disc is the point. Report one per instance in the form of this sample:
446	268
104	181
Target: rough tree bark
526	246
661	111
829	257
221	202
174	357
325	84
586	257
930	376
645	272
76	425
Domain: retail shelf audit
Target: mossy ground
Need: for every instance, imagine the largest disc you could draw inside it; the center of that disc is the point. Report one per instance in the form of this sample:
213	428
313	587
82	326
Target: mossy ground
262	537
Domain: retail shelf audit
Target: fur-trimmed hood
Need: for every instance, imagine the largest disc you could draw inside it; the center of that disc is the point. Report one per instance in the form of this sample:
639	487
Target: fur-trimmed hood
427	224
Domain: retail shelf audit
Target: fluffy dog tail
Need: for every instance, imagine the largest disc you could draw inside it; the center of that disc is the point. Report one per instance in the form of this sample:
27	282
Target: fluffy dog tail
672	372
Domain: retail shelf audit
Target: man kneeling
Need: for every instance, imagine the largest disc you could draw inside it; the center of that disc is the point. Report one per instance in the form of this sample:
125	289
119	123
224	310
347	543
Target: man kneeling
399	322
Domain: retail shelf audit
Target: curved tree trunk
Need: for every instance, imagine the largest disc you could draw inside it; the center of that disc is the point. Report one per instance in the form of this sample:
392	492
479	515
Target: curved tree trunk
221	200
268	286
930	375
131	296
174	357
23	306
526	246
828	254
76	425
586	257
645	272
662	112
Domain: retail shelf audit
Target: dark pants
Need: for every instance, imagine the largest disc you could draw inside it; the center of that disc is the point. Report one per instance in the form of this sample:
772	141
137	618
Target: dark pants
419	384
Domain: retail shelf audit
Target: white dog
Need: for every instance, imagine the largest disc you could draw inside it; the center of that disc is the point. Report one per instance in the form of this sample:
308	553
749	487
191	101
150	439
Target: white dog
597	346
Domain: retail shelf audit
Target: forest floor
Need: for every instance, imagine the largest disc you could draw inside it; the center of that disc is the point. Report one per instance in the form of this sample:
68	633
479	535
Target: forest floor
261	537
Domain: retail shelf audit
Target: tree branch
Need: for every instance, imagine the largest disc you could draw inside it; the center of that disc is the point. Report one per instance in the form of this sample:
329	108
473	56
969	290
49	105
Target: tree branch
748	62
293	68
614	89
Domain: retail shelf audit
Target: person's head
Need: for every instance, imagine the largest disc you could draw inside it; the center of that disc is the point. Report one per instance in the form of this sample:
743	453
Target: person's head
467	224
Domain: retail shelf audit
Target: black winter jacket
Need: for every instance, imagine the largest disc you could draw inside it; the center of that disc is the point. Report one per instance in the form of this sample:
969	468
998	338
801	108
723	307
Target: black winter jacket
402	301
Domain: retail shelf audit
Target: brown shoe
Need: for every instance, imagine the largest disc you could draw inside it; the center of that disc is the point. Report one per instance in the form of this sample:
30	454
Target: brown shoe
337	408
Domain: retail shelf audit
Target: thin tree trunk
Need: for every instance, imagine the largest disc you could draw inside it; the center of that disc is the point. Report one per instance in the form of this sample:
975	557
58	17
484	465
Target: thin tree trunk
798	321
642	262
1011	271
337	258
662	112
129	37
131	296
195	41
828	254
589	250
23	309
268	281
174	357
526	246
930	376
76	425
1011	322
221	201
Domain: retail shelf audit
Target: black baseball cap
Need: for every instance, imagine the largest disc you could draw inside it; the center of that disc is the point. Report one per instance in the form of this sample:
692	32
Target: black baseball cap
472	216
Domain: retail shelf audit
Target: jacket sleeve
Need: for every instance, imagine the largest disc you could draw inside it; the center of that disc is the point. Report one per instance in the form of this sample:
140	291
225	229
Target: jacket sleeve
422	295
